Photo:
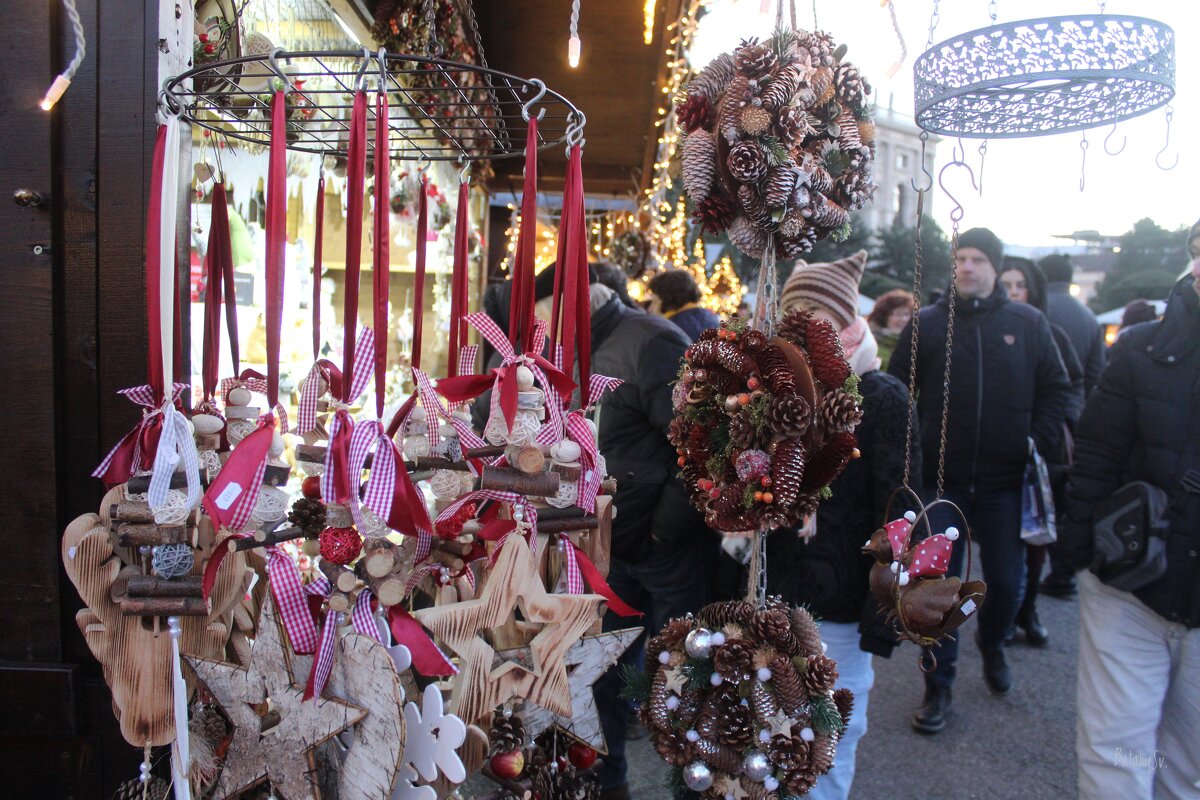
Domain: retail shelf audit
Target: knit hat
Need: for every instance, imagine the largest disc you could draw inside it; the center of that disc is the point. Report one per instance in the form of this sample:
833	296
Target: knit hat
833	287
986	241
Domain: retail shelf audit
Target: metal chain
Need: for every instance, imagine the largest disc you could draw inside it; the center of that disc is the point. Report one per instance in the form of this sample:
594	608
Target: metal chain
891	7
816	25
766	306
953	294
992	11
760	542
473	24
934	19
433	47
916	330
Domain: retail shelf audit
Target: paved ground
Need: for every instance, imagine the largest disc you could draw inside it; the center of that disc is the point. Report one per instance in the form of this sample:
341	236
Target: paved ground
1018	746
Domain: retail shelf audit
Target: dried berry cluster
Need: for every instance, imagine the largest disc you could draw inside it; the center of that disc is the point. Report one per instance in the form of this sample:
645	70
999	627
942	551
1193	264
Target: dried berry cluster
762	425
779	143
737	683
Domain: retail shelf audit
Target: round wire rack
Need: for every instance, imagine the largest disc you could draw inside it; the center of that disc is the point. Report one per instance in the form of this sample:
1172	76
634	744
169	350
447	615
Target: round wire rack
1045	76
439	110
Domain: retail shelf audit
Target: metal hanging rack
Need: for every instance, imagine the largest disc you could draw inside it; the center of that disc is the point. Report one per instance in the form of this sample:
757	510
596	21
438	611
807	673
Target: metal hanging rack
442	110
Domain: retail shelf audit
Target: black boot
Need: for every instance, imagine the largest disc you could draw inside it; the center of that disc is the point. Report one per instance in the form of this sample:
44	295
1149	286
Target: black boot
931	717
995	669
1059	584
1035	632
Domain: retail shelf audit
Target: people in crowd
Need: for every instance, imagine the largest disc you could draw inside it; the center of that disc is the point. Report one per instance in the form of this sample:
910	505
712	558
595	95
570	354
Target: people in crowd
1007	384
675	295
614	278
1024	282
1138	691
893	310
821	566
1136	312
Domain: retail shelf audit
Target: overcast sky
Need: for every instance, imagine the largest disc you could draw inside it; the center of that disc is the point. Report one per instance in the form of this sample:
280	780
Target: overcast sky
1030	186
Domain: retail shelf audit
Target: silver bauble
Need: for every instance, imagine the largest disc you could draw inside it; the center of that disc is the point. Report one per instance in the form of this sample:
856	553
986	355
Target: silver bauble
697	776
756	765
698	643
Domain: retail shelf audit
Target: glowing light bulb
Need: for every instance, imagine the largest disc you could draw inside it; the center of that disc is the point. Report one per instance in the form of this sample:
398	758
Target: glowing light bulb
573	49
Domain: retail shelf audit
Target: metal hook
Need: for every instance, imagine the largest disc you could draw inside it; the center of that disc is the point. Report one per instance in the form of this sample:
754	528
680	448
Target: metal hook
464	173
576	121
924	168
424	167
273	59
1124	139
525	107
958	154
321	170
360	76
1166	144
982	159
169	102
956	213
1083	146
383	74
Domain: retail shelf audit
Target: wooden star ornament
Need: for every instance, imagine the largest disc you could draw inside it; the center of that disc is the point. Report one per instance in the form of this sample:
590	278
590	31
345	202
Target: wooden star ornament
282	754
514	583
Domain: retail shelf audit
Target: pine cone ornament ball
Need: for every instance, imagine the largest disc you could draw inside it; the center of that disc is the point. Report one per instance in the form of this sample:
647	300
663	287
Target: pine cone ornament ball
133	789
746	162
840	411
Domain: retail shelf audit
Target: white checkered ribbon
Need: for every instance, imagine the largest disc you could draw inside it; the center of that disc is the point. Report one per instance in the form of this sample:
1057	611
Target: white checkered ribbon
232	495
338	483
363	618
570	565
466	358
254	382
290	601
136	450
176	445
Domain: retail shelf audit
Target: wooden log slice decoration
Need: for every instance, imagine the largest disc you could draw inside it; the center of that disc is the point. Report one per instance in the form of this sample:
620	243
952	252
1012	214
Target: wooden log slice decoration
379	557
506	479
164	607
364	674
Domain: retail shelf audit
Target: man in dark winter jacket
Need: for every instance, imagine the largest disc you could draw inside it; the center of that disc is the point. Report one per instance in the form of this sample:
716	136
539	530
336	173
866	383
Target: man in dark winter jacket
1139	652
1087	337
1007	384
675	295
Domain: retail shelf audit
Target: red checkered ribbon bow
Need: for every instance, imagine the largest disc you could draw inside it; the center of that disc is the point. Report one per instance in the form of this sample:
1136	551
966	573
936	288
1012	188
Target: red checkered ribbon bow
136	450
338	485
253	381
389	492
361	618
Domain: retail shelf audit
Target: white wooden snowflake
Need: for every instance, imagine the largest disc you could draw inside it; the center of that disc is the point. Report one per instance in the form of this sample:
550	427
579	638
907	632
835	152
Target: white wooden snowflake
431	747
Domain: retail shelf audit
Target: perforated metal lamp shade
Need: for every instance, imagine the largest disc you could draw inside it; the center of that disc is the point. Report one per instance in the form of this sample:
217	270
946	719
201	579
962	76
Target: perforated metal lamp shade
1044	76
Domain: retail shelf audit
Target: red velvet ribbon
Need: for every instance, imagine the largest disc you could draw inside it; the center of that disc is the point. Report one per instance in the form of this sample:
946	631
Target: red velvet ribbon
597	583
355	180
276	235
218	261
458	280
318	255
381	264
339	447
427	659
154	355
583	294
520	312
214	563
232	494
419	277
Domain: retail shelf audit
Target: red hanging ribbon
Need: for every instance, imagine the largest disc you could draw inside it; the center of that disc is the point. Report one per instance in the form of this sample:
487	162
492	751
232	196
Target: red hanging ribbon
154	355
583	295
427	659
458	280
597	583
276	240
355	180
231	497
522	300
381	265
318	254
419	277
557	337
217	262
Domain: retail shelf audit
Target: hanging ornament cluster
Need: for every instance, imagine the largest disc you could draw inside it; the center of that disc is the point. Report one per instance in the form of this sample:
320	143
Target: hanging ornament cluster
740	702
780	142
763	425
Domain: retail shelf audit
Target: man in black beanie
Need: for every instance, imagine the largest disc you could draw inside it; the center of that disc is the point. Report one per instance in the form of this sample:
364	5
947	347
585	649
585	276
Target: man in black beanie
1007	385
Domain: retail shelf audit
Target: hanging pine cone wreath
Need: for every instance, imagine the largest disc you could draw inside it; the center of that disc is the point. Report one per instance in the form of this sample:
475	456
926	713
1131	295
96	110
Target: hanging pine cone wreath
762	427
786	125
738	701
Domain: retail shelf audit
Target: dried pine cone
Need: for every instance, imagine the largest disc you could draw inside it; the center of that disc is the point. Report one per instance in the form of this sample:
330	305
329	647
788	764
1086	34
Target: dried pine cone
840	411
801	781
866	131
754	60
712	352
699	164
763	701
729	504
755	209
825	354
695	112
753	341
735	728
821	674
308	514
741	430
723	381
821	82
698	445
783	85
733	660
675	631
788	753
776	372
820	753
507	733
851	88
746	236
844	700
819	181
736	96
713	79
788	686
209	723
804	627
828	214
793	223
787	471
754	120
674	748
790	416
830	460
795	124
732	612
677	431
775	626
134	789
654	712
719	756
714	213
746	162
781	182
848	136
794	326
790	248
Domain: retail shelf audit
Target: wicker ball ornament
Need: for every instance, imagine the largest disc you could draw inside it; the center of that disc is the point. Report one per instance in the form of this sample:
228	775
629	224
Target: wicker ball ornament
740	712
340	545
781	123
759	431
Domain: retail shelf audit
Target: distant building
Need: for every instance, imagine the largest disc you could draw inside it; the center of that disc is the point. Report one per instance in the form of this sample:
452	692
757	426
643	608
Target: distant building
897	165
